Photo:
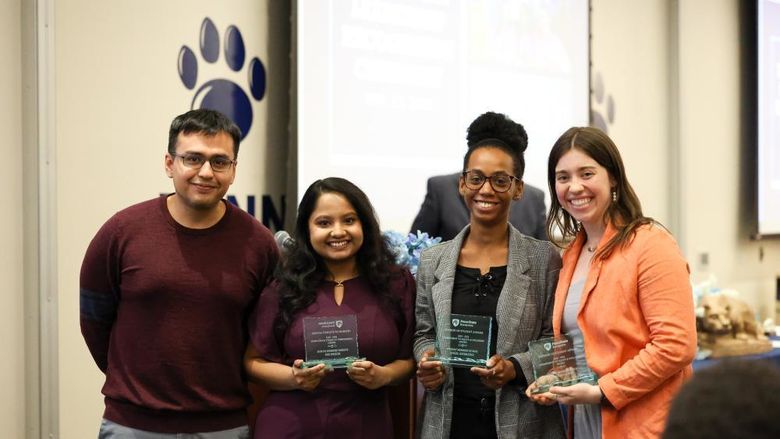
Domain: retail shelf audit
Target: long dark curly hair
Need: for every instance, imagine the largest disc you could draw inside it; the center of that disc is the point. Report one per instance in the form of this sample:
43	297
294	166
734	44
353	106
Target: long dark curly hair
625	213
302	270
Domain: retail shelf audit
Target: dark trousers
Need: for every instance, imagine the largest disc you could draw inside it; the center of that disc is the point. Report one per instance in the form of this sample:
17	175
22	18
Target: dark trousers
474	419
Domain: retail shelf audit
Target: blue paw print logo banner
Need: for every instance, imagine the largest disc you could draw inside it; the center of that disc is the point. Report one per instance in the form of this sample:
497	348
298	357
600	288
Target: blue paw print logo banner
222	94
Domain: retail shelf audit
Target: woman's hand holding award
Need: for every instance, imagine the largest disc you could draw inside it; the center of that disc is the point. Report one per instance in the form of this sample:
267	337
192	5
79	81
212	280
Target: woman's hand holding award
332	341
559	361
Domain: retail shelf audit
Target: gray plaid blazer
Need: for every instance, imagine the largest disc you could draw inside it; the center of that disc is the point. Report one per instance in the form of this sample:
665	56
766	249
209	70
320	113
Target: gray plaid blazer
524	313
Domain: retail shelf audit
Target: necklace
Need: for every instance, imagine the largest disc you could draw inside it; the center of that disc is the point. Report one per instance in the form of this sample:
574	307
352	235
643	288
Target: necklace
339	290
590	249
340	283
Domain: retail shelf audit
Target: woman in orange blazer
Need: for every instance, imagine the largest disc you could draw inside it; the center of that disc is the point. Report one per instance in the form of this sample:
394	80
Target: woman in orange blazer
624	286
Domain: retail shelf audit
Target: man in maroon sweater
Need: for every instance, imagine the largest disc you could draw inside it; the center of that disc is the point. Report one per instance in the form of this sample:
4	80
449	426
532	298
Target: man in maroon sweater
166	286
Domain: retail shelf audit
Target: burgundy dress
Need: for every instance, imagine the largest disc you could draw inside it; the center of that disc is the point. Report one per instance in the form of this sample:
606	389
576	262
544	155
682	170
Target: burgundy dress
338	408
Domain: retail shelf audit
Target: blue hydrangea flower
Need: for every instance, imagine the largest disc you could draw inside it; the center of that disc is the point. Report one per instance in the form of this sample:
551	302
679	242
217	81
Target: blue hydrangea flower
407	248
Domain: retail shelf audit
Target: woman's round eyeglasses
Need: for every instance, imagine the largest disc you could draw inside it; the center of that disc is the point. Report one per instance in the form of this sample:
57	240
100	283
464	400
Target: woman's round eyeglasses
500	182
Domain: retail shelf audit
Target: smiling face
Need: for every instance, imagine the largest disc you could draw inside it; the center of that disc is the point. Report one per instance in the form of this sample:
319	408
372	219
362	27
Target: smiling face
335	230
200	191
487	206
583	188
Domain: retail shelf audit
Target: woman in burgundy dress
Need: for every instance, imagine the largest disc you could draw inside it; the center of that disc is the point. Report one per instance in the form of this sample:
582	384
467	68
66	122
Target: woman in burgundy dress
340	266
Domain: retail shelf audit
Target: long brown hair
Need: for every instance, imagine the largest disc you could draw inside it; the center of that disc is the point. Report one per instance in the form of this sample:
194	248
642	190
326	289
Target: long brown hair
625	213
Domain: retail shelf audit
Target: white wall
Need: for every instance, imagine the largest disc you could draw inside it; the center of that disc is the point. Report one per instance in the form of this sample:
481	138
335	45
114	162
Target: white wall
710	141
12	371
629	50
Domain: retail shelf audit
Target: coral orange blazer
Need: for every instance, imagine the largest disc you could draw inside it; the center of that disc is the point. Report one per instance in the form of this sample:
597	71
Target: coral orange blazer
637	319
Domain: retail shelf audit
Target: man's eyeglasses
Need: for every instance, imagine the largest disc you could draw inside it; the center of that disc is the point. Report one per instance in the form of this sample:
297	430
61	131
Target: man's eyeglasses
195	161
499	182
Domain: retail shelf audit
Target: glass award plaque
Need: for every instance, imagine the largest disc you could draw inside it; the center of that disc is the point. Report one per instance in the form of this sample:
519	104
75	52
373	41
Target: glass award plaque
560	361
463	340
331	340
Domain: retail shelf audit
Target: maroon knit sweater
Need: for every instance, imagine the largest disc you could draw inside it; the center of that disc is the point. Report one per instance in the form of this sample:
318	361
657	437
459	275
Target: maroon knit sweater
164	310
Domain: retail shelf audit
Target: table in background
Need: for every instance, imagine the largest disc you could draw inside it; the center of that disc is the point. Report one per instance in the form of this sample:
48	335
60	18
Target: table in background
772	356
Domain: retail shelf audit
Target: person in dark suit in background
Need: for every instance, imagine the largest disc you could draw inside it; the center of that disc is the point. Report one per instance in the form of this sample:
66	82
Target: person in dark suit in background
444	213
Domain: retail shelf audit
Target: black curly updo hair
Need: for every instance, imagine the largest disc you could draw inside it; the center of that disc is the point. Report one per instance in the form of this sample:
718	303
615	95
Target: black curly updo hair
497	130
